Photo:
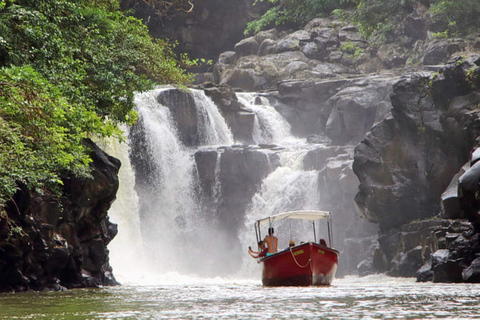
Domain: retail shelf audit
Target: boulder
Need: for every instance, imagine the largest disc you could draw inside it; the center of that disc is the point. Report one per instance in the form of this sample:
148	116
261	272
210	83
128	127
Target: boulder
440	51
247	47
182	106
472	272
415	26
450	200
355	109
292	41
468	191
444	268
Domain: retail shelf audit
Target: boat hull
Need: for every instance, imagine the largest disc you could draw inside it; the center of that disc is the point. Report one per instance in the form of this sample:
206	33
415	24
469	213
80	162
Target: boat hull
309	264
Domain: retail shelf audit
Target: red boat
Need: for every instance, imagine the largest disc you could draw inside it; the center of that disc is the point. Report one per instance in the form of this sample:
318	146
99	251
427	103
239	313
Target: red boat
307	264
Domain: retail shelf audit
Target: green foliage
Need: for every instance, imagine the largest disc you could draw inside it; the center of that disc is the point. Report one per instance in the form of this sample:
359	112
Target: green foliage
40	132
380	16
295	12
461	16
68	70
352	50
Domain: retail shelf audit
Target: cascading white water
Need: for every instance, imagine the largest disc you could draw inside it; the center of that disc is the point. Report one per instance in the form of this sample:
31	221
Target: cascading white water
179	235
126	249
212	126
177	230
289	187
269	126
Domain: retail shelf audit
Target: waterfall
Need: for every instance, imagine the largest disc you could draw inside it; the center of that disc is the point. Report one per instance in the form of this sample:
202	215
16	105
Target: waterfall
126	254
174	225
289	187
213	128
269	126
178	233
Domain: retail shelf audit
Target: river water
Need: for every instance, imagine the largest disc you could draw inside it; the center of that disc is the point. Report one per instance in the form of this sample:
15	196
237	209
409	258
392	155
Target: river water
180	297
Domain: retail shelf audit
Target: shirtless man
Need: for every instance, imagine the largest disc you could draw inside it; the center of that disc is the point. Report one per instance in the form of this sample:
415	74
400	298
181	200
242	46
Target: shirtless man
271	241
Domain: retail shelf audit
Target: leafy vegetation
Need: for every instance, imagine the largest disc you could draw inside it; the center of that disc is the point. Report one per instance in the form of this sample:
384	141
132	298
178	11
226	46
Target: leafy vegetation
461	17
380	16
295	12
68	70
372	16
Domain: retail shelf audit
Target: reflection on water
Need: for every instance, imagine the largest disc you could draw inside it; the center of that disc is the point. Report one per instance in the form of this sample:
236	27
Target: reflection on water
180	297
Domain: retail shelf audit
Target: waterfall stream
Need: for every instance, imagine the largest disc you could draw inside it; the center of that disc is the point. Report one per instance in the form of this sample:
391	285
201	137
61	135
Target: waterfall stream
177	233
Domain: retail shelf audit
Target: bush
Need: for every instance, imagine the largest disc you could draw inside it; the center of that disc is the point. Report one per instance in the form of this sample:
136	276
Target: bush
380	16
69	70
461	16
295	13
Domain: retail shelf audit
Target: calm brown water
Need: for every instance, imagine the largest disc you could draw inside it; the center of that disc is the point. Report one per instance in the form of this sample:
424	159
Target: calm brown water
179	297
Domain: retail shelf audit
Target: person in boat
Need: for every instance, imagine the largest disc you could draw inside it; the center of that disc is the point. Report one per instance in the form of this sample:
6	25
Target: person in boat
271	241
291	244
258	254
323	242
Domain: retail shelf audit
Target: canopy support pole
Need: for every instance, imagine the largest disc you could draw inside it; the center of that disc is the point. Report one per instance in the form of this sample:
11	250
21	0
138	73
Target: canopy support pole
329	225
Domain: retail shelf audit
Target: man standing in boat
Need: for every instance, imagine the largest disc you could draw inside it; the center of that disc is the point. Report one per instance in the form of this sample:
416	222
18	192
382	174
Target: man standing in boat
271	241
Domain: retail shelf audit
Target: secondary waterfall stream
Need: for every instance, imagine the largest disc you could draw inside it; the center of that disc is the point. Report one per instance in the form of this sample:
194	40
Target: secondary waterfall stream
174	231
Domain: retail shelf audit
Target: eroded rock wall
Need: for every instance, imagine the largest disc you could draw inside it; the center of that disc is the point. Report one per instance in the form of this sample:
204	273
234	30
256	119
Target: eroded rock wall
407	161
212	26
53	243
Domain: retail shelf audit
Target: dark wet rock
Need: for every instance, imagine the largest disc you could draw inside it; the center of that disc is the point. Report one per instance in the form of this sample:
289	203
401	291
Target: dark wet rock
206	161
184	113
355	109
406	264
48	242
444	268
241	173
211	28
408	160
472	272
468	188
455	247
425	272
450	200
440	51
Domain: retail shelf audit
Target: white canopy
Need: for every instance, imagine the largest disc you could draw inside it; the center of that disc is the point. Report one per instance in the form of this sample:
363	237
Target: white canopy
311	215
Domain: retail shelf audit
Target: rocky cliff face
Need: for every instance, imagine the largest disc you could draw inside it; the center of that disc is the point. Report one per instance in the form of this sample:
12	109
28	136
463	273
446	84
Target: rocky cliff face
211	27
51	243
416	164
